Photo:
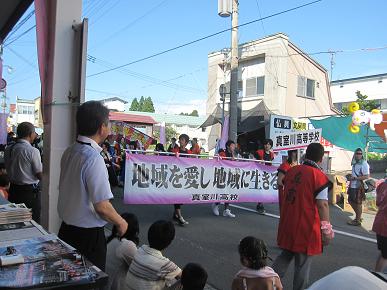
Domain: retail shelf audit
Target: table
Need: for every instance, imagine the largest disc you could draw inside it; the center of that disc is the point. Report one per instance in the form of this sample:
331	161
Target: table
49	263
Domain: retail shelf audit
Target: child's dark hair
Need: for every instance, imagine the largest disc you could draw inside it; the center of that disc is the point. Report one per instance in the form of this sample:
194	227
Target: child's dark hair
254	251
4	180
161	234
194	277
132	231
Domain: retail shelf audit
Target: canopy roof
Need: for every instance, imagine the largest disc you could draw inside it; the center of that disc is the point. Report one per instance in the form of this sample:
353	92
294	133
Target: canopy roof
248	120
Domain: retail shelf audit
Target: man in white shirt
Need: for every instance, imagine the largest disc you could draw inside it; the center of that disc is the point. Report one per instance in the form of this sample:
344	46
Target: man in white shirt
24	168
84	190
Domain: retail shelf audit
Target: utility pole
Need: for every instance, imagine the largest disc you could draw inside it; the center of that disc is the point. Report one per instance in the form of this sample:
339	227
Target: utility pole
233	129
332	64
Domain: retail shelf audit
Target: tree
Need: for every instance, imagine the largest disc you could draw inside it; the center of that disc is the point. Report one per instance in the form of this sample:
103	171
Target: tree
169	133
141	104
193	113
364	104
134	105
148	105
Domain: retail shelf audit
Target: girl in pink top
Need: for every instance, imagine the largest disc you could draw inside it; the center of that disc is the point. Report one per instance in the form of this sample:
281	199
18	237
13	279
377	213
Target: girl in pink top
380	226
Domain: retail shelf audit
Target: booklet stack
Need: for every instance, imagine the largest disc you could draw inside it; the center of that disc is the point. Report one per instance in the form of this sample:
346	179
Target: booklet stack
14	213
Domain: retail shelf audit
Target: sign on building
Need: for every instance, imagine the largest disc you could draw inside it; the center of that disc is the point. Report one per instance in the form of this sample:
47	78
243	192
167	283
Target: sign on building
296	139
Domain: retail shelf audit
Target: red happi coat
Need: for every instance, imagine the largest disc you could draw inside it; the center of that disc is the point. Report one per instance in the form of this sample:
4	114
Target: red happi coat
299	228
284	167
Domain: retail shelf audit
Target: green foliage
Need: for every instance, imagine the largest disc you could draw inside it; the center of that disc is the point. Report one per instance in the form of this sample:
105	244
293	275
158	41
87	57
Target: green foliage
364	104
135	105
194	113
148	105
169	133
145	105
376	156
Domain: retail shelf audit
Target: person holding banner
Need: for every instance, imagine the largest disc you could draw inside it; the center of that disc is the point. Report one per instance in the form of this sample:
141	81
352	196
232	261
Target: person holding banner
265	154
228	153
304	225
183	141
84	189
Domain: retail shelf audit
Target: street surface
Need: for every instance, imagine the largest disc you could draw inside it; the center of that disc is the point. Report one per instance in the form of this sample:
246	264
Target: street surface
212	241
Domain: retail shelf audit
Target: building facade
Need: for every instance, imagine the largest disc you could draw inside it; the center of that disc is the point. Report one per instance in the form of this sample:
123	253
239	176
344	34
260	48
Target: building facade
374	86
115	104
25	111
275	71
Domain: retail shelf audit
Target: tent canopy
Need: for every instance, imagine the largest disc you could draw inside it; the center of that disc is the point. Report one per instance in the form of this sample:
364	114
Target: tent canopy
248	120
335	130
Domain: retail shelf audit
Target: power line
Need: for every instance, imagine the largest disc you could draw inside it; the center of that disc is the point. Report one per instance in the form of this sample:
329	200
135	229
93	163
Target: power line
19	36
202	38
20	24
131	23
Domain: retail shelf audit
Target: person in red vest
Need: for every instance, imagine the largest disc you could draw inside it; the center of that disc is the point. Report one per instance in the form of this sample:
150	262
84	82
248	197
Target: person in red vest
304	225
290	162
183	141
228	153
265	154
195	148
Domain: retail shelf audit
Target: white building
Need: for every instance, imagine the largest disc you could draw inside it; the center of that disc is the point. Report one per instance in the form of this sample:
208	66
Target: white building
25	111
115	104
374	86
274	77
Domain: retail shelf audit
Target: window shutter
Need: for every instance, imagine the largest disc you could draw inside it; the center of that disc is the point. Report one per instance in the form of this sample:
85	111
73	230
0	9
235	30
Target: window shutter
301	86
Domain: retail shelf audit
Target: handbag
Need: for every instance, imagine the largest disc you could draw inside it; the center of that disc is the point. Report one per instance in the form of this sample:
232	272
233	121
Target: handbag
360	194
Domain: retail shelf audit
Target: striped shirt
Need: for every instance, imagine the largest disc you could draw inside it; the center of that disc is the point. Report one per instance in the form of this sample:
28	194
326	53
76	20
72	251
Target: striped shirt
151	270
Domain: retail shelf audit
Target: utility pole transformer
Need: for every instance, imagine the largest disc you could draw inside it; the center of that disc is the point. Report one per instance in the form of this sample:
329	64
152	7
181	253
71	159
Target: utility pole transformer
233	125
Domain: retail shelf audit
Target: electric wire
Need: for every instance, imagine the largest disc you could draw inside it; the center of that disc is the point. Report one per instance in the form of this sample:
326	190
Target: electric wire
202	38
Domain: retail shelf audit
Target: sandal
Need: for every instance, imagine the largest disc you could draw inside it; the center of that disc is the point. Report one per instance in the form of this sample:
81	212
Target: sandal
354	223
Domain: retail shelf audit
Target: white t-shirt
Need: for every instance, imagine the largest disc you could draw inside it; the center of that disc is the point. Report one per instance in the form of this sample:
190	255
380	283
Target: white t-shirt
119	255
359	170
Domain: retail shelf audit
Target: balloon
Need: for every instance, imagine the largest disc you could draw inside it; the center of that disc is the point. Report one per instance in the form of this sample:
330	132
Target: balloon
353	107
361	117
354	129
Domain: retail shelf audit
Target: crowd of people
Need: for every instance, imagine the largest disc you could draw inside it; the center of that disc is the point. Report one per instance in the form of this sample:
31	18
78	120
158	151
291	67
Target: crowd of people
89	171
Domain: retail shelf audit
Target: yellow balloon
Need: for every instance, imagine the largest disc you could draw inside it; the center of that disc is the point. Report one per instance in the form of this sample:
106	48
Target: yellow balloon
353	107
354	129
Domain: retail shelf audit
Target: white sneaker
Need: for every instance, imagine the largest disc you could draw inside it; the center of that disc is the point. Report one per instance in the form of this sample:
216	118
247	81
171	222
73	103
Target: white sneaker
228	213
215	209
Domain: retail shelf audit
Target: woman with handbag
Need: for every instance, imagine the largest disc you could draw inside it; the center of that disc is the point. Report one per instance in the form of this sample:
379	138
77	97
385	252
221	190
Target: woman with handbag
356	191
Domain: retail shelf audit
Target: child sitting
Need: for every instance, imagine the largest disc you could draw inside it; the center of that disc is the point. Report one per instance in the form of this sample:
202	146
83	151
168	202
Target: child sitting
120	252
4	185
194	277
150	270
255	274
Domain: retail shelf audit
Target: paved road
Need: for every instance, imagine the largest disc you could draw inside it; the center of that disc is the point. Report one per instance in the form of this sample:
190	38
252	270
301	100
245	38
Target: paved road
212	241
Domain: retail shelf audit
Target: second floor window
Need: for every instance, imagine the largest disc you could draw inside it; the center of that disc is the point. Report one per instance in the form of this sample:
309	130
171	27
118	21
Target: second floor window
305	87
255	86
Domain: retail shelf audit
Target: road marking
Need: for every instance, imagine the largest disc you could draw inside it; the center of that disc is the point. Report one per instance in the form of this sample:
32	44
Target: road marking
336	231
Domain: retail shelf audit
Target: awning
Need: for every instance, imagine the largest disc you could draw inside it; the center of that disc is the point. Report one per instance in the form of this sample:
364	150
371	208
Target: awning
248	120
335	130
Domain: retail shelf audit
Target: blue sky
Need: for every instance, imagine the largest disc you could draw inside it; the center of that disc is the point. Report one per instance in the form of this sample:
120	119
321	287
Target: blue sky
121	32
